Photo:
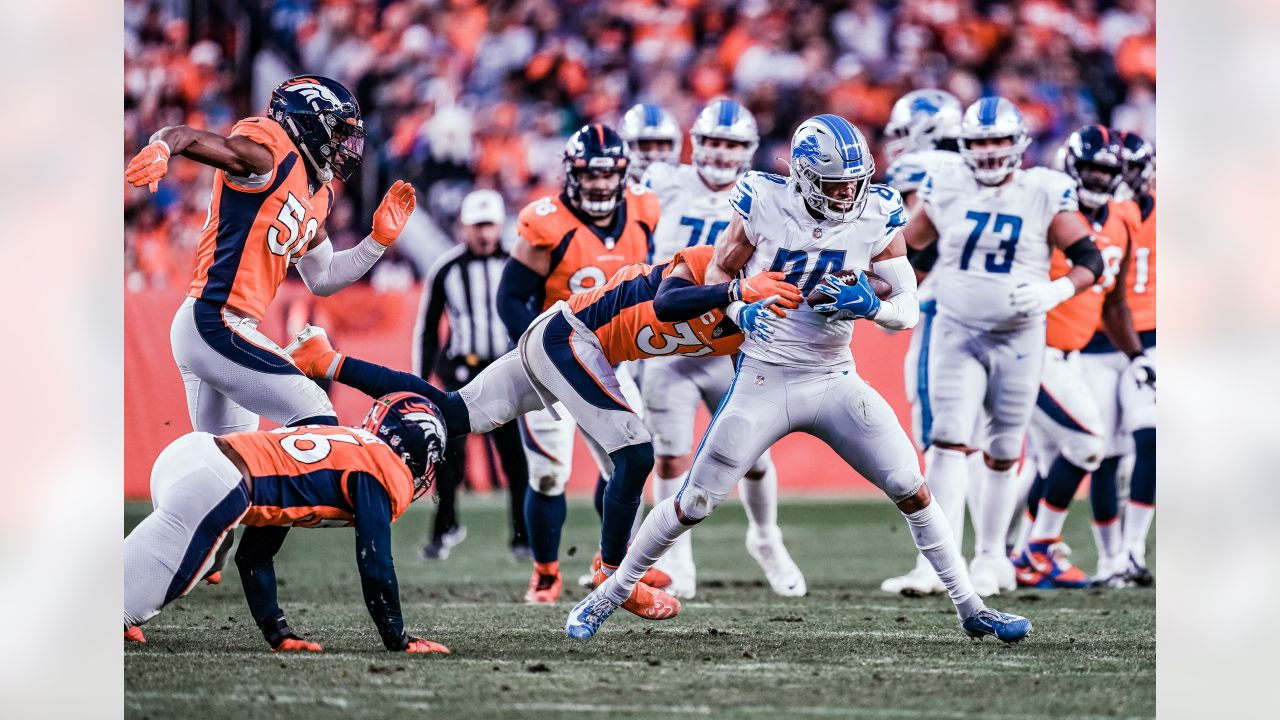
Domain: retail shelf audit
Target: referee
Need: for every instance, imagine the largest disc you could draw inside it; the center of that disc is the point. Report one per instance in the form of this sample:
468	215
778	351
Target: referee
464	283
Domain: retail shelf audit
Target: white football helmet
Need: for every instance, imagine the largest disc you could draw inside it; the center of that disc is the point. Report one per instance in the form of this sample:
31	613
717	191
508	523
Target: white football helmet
827	149
646	121
919	120
993	118
729	120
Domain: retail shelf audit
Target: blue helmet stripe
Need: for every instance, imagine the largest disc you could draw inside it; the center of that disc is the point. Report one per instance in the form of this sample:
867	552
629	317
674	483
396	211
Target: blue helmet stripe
987	110
652	115
728	112
846	139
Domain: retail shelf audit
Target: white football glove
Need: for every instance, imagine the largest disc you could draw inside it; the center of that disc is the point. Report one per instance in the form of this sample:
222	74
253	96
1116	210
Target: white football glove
1142	371
1039	298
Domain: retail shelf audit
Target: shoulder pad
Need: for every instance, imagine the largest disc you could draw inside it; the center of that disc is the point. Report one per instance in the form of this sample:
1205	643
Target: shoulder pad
543	222
646	207
265	132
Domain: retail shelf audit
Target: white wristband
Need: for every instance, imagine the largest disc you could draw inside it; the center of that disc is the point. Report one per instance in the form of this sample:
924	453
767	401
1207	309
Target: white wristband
1063	288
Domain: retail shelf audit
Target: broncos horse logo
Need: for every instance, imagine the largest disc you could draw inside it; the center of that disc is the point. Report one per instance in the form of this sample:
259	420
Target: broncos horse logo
317	96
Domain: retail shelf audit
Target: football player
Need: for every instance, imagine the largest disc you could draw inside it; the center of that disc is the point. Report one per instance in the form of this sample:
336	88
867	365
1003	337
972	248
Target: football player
826	218
995	225
567	358
1067	425
203	486
567	245
1125	388
652	136
923	129
271	195
695	211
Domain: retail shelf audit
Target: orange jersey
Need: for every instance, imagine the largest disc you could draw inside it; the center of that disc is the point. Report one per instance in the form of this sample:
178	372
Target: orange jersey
1072	323
300	473
621	314
252	235
1140	285
584	256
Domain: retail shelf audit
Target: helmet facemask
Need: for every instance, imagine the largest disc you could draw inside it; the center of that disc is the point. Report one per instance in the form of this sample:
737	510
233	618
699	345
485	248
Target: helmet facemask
722	165
414	430
332	146
845	205
992	163
594	201
648	150
1096	182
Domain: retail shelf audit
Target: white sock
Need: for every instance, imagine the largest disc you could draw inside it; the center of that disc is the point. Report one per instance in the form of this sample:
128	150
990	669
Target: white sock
658	532
760	500
1108	538
664	488
991	524
682	550
1049	523
932	535
1024	533
1137	525
977	469
947	474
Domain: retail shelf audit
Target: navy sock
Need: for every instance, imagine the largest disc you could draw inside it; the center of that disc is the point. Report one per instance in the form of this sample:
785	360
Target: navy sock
1142	487
622	496
1062	482
1034	494
375	380
544	518
601	483
1102	491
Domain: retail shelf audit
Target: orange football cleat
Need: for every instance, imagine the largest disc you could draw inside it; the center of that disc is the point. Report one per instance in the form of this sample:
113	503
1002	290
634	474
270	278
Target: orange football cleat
213	578
297	644
653	577
134	634
313	354
418	645
545	584
645	600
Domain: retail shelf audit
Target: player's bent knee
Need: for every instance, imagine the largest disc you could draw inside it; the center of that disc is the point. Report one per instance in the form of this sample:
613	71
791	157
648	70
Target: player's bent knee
1085	452
550	481
695	503
903	484
632	465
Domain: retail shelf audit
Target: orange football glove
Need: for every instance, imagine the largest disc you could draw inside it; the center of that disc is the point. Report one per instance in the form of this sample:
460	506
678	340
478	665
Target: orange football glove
293	643
765	285
312	353
418	645
148	166
393	212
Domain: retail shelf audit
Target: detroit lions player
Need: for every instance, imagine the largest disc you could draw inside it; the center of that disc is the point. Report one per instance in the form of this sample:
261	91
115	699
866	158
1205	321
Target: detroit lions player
994	225
695	211
799	376
652	136
923	128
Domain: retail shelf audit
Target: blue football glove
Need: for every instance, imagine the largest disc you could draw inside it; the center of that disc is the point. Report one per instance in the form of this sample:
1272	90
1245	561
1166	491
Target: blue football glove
851	301
754	318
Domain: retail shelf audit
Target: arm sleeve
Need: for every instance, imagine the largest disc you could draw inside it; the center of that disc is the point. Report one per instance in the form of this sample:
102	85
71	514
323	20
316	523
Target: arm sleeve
429	332
254	559
680	299
375	381
325	272
521	293
372	509
902	309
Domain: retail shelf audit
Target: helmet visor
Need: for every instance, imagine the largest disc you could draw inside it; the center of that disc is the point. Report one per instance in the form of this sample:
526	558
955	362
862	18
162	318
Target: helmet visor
346	145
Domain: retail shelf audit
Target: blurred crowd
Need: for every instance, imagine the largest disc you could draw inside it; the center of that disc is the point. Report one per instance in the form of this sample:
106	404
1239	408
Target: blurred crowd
459	94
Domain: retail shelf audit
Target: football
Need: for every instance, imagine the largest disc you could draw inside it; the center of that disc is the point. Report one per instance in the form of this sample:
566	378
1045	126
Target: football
878	284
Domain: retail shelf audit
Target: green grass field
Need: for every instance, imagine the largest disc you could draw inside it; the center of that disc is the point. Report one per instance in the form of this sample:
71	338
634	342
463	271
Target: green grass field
846	650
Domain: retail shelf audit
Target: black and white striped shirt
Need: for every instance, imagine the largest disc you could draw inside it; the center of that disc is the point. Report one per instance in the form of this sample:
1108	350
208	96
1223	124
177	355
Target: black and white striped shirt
466	286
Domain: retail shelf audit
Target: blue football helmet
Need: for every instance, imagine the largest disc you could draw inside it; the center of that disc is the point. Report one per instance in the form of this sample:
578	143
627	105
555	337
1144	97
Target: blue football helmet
593	149
1092	159
827	150
413	427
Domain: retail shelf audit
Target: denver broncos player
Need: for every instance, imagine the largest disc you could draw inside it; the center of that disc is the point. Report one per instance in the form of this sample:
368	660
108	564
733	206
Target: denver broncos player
567	357
567	245
1067	425
695	211
203	486
1124	387
271	195
826	218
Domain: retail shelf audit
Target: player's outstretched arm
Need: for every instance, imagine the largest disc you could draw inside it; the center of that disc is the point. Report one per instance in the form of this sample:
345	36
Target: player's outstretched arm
732	252
371	507
254	559
236	155
523	287
325	271
679	298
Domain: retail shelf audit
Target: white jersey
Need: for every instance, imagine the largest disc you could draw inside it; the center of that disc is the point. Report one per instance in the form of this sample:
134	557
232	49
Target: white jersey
907	174
788	239
692	213
992	239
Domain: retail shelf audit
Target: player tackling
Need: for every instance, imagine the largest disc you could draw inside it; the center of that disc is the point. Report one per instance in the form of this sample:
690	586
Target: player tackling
826	218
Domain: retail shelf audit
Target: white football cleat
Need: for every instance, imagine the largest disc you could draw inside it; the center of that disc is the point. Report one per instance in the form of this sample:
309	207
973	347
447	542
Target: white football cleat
677	562
990	574
921	581
781	571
